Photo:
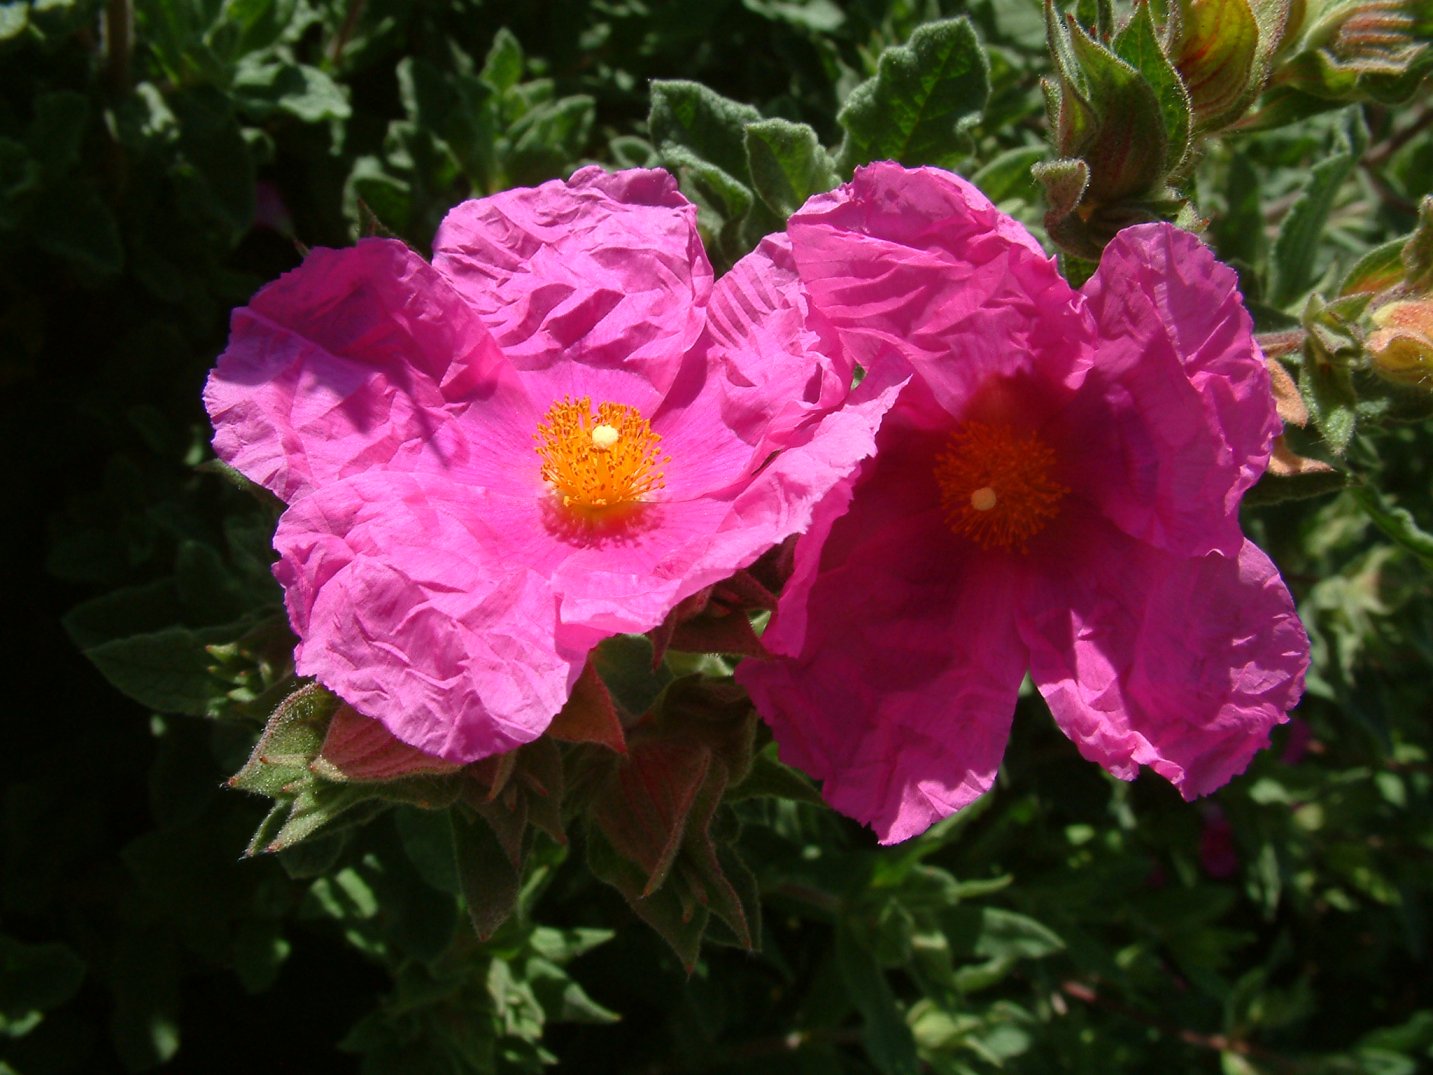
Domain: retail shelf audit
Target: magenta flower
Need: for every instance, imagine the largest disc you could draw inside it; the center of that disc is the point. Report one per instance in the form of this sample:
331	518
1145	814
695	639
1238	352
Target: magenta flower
553	433
1054	491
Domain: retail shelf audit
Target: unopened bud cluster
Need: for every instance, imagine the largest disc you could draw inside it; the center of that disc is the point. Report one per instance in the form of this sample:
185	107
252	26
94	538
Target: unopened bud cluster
1129	103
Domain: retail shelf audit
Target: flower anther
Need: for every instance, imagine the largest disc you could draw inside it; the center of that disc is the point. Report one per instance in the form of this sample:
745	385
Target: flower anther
595	460
995	485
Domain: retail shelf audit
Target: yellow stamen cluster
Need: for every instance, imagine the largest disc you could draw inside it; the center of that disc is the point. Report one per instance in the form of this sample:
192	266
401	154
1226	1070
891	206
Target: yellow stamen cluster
995	485
595	460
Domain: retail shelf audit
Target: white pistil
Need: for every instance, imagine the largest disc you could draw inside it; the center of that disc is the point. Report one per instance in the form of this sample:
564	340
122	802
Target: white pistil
604	436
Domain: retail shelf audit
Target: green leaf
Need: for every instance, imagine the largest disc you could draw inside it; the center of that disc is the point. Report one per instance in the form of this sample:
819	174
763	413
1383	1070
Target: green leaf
787	164
502	70
74	223
1397	523
885	1033
625	664
680	925
821	16
490	883
1293	262
57	130
259	953
1239	230
1127	145
923	95
36	978
301	91
1006	934
712	128
769	777
545	141
216	180
144	976
170	671
1006	176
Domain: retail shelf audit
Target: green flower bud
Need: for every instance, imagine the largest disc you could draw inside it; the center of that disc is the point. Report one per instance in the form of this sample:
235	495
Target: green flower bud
1359	49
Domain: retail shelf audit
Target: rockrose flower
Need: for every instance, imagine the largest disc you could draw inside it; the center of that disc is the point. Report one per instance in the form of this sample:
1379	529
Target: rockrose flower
553	433
1055	491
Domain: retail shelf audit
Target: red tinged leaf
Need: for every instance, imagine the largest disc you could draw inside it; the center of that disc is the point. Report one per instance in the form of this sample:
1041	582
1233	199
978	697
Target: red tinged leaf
643	810
589	715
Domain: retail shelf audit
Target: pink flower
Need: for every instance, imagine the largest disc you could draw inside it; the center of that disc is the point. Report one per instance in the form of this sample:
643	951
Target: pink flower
553	433
1055	491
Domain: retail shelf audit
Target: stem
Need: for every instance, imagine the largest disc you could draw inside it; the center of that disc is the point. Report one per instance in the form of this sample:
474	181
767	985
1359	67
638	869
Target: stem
345	32
1216	1042
118	44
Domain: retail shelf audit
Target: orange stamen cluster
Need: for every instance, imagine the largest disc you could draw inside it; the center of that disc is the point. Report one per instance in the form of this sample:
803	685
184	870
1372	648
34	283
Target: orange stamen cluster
995	485
595	460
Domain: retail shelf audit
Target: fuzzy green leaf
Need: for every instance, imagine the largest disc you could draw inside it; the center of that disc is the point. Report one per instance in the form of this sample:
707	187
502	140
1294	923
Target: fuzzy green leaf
1397	523
712	128
1138	44
923	95
1293	262
787	164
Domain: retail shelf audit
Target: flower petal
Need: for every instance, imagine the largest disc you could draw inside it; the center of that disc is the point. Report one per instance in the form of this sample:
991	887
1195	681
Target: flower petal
1183	664
898	665
918	263
360	358
1200	423
600	282
405	611
782	365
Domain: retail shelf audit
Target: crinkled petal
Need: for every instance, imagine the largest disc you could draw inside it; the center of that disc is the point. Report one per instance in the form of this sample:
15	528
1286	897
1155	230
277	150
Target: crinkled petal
898	664
1197	420
405	612
1183	664
361	358
781	364
598	283
918	263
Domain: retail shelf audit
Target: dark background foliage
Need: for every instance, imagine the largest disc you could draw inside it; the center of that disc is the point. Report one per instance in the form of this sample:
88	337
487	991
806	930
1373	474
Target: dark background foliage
160	161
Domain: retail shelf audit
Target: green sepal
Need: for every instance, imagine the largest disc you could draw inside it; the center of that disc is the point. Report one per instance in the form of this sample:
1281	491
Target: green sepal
1128	146
1138	44
1378	270
289	743
1328	392
1065	182
1417	253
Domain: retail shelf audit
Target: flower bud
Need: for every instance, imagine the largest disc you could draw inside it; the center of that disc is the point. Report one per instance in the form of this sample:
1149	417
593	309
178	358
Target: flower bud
1357	49
1217	47
1401	345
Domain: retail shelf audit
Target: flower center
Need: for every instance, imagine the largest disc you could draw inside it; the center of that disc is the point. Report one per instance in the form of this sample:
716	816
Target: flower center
995	485
595	460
